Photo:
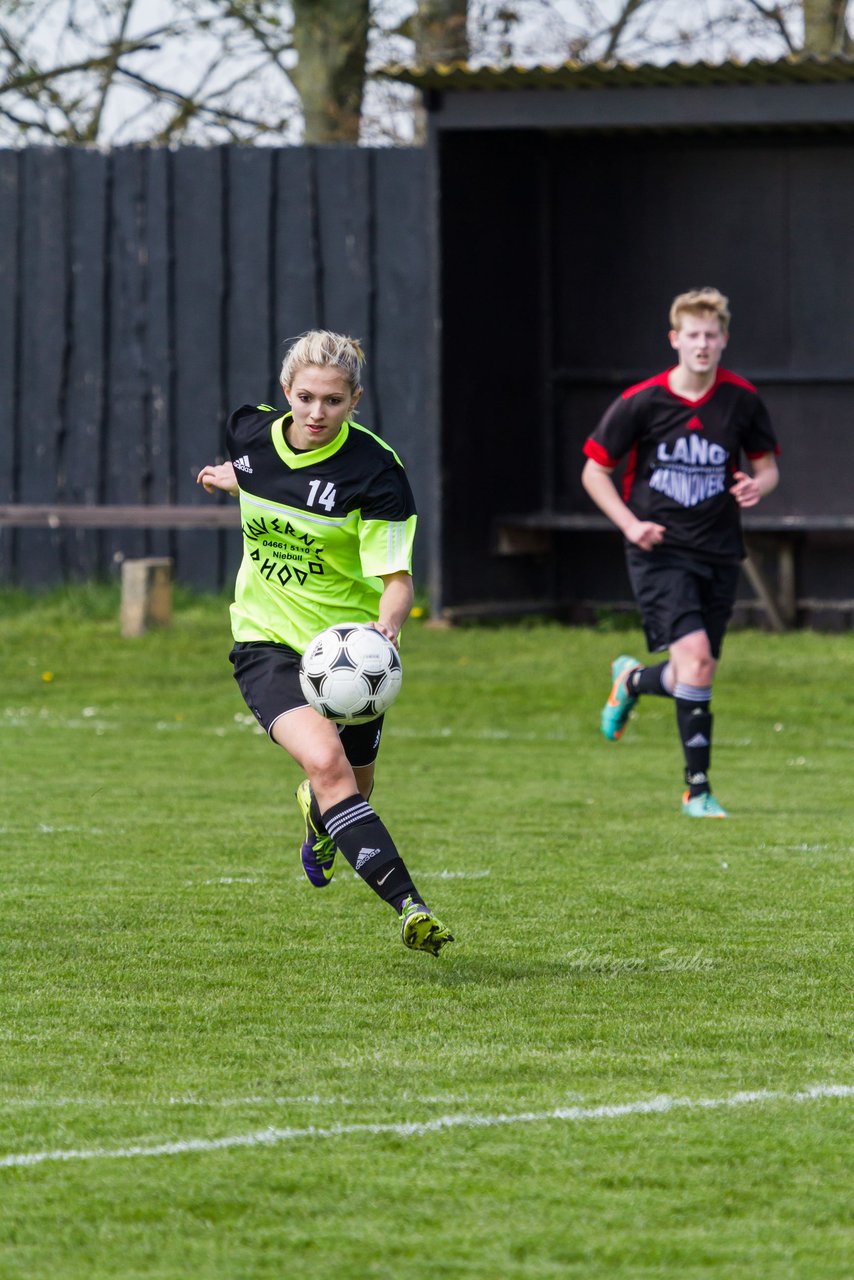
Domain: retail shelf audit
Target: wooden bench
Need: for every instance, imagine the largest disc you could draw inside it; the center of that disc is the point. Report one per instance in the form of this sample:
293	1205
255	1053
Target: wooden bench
146	581
534	533
112	516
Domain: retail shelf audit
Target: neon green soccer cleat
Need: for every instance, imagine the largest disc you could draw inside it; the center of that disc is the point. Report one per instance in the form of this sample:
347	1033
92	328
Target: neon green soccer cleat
702	806
318	849
617	709
420	930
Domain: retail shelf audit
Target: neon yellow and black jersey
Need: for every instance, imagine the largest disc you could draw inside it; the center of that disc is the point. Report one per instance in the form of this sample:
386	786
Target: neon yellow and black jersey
319	527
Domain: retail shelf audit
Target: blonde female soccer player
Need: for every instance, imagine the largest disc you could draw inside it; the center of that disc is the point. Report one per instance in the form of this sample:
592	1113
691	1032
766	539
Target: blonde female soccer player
328	524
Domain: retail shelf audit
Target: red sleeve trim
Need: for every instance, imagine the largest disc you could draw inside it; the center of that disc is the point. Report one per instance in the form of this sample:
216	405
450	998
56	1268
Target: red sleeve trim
594	450
660	380
724	375
760	453
629	474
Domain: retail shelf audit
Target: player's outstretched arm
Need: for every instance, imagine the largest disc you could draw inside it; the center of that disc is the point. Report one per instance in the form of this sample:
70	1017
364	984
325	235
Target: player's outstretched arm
395	603
748	490
218	476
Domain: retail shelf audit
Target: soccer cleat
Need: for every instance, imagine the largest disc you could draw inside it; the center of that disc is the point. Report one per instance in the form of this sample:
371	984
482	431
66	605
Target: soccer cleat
420	930
702	806
616	710
318	849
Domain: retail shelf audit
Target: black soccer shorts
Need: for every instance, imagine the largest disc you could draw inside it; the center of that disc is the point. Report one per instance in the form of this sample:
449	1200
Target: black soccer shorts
677	593
267	675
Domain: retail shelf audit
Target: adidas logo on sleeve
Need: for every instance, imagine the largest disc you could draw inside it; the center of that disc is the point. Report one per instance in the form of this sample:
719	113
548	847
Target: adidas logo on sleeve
243	464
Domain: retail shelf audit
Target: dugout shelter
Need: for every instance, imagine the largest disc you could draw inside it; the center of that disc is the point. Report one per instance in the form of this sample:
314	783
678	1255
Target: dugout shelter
568	206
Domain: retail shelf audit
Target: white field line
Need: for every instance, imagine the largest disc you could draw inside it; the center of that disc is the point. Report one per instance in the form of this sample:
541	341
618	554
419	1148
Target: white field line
473	735
438	875
98	1104
419	875
229	880
271	1137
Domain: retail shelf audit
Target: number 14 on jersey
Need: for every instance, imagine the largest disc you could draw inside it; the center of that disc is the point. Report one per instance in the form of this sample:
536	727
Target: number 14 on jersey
325	499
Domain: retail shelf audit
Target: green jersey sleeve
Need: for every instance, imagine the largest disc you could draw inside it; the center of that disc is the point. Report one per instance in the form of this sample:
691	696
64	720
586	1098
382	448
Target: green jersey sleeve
385	546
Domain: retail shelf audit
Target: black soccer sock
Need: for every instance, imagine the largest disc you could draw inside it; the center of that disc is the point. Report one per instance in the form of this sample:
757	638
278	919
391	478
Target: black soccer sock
650	680
314	812
370	850
694	719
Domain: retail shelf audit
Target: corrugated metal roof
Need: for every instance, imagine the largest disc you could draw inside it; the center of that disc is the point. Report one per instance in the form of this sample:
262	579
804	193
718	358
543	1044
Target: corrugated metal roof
792	70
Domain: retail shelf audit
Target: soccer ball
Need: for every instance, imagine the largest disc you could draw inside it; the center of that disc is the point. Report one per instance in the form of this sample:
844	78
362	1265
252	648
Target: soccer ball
350	673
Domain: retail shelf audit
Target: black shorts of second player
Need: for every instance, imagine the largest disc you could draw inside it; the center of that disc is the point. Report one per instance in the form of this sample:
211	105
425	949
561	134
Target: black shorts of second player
677	594
267	675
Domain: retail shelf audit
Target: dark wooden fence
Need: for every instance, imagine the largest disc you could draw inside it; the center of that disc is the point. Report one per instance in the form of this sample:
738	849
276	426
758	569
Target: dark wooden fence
145	293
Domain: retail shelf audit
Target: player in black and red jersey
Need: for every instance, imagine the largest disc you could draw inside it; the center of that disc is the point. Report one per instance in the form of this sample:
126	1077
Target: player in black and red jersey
682	434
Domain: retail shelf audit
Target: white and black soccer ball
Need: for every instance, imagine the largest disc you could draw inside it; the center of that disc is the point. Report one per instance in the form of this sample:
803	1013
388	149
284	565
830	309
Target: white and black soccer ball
350	673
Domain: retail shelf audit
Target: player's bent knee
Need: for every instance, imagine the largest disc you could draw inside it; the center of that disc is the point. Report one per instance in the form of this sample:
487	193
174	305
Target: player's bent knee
329	771
692	661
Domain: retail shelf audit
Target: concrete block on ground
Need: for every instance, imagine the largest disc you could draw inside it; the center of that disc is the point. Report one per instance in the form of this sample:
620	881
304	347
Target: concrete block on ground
146	594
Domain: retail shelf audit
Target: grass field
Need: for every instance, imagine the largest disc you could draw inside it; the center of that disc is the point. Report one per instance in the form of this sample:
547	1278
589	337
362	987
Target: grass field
635	1061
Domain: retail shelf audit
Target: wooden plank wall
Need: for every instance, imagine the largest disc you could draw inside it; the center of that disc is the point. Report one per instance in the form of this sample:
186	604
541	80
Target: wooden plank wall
145	293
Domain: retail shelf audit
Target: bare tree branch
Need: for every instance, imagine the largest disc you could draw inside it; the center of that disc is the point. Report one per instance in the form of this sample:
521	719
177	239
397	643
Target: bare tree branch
775	16
108	74
196	104
33	78
630	8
